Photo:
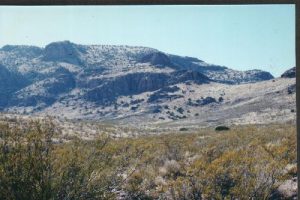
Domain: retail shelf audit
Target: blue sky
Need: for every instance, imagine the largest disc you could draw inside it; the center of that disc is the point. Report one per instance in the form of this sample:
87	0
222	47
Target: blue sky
240	37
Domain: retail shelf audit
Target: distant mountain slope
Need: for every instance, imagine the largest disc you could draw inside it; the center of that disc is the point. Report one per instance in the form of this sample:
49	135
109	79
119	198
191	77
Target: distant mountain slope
291	73
116	59
220	73
98	78
10	82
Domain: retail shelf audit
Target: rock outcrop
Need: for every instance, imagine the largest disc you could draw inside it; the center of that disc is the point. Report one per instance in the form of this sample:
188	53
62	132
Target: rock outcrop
62	52
158	59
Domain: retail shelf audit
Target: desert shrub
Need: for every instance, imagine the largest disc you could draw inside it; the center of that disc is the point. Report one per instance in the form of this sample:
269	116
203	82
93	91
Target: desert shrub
183	129
222	128
33	167
171	168
135	187
248	162
25	161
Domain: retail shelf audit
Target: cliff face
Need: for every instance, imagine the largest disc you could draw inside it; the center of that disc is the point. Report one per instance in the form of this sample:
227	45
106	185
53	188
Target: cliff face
136	83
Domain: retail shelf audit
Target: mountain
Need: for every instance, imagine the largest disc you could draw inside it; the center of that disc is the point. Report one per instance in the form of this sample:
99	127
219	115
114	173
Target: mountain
291	73
105	82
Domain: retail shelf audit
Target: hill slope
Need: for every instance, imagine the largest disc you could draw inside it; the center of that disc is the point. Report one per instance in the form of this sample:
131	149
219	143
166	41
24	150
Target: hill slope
106	82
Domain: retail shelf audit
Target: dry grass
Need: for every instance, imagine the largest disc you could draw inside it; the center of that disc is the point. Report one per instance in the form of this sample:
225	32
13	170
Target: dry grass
244	162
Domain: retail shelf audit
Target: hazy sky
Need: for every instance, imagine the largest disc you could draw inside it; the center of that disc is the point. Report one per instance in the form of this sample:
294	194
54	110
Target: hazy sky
239	37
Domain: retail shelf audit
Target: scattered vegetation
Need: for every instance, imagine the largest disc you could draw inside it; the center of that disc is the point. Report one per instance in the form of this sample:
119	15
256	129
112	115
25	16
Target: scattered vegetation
246	162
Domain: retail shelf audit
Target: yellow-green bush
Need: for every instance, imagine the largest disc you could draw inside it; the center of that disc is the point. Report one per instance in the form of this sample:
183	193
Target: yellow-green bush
247	162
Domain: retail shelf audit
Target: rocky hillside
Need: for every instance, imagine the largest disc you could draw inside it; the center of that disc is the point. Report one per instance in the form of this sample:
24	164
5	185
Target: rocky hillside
10	82
291	73
120	82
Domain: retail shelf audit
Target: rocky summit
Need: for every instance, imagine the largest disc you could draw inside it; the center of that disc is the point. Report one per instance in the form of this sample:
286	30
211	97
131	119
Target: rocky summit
129	83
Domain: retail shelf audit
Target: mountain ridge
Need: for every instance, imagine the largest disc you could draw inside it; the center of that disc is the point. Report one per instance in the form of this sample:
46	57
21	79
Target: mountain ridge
110	80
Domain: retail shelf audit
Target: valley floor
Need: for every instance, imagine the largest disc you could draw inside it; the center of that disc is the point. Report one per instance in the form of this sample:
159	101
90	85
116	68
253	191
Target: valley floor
247	161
